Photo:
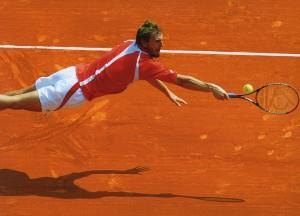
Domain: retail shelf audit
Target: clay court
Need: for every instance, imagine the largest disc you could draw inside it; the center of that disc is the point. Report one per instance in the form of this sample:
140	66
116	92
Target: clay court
208	157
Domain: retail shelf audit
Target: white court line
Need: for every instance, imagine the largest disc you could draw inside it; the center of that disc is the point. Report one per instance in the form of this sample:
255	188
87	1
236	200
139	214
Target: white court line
194	52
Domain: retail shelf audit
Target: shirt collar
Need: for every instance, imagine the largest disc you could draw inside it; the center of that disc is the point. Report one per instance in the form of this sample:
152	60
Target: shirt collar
142	49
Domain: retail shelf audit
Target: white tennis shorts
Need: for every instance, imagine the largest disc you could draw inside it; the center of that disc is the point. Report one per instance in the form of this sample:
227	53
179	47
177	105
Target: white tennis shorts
53	89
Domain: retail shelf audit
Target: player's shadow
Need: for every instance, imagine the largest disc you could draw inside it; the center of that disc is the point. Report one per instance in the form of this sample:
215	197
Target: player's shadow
16	183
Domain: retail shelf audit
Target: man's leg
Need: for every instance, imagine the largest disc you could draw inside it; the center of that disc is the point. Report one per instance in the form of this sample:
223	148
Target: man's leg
28	101
21	91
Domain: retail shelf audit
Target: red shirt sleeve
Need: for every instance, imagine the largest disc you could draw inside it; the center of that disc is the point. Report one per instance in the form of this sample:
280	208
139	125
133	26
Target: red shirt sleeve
151	69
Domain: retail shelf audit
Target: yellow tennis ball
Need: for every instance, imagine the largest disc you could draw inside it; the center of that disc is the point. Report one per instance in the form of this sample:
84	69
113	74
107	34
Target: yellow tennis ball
248	88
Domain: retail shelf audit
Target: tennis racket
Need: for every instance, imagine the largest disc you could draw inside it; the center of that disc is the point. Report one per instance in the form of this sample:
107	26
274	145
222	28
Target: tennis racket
275	98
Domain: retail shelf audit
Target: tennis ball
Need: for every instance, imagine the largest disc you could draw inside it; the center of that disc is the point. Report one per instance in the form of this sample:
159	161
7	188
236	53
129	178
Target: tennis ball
248	88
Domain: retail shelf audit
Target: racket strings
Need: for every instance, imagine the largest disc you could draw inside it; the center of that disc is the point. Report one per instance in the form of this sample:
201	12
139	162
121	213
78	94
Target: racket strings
278	99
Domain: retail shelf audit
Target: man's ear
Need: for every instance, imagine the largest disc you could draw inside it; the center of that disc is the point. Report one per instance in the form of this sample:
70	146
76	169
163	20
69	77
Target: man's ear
144	43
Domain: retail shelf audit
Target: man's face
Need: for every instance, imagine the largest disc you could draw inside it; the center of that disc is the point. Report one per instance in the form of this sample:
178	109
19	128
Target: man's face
154	45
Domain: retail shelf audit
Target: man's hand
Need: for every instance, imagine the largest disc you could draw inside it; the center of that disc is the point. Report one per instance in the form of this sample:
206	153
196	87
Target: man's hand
218	92
177	100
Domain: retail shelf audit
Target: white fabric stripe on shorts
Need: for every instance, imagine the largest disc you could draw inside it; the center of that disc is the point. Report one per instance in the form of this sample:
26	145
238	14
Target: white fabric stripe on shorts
53	89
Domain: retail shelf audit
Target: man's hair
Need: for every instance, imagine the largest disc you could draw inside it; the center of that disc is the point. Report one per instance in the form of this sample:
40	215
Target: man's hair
146	31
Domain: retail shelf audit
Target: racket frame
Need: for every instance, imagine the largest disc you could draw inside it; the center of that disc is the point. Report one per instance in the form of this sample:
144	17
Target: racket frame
256	91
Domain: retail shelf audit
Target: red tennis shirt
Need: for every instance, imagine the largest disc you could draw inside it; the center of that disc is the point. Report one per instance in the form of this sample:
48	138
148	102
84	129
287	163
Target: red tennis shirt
118	68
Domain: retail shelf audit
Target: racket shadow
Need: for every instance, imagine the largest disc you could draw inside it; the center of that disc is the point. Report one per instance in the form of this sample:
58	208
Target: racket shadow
17	183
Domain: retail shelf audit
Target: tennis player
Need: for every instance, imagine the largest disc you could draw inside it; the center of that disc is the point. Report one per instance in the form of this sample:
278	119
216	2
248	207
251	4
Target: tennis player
112	73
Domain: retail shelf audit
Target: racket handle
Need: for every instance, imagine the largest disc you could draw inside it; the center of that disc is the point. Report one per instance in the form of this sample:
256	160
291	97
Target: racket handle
232	95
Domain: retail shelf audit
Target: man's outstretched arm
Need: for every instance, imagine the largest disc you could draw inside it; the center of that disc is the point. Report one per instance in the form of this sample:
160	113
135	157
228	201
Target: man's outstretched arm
163	88
73	176
193	83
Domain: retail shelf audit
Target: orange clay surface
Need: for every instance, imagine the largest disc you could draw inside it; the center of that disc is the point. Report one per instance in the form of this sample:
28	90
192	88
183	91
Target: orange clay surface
210	150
